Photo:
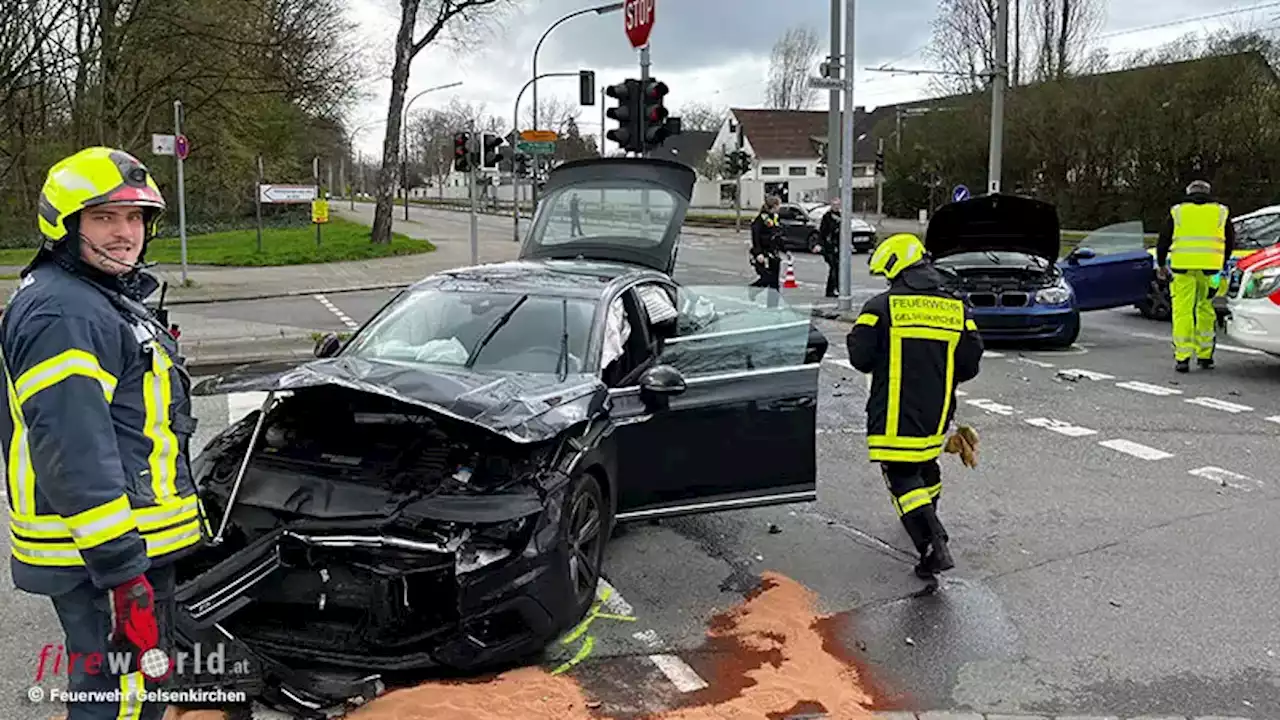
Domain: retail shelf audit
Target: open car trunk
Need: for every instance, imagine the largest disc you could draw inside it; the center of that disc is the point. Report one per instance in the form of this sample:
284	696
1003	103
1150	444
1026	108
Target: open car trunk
369	537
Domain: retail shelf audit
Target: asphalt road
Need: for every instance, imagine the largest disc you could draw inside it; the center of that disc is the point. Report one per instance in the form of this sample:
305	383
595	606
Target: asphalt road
1115	546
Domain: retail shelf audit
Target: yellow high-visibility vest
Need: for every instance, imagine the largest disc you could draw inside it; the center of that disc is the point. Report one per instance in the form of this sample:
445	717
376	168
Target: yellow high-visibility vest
1199	236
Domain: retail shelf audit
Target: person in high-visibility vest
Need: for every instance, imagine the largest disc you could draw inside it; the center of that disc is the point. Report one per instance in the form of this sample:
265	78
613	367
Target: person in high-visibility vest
1195	246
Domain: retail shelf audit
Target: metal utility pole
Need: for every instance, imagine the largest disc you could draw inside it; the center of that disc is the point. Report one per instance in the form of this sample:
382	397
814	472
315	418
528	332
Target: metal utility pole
257	201
182	190
997	96
845	302
833	107
880	185
515	123
737	198
644	83
315	178
477	143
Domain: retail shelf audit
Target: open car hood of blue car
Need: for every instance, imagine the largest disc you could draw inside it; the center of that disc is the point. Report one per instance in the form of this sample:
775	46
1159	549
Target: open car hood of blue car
995	222
525	408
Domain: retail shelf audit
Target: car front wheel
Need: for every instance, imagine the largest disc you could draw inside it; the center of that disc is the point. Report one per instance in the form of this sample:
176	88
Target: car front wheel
586	524
1157	305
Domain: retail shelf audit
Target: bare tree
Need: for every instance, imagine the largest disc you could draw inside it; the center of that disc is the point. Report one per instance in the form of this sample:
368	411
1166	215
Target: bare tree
794	59
702	116
554	113
435	16
1064	29
713	164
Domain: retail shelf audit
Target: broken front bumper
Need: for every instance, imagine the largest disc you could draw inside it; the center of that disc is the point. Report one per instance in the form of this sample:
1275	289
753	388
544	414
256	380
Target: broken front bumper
316	618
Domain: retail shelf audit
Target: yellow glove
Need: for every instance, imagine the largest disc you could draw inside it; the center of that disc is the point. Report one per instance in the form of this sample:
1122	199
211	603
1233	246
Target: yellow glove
964	442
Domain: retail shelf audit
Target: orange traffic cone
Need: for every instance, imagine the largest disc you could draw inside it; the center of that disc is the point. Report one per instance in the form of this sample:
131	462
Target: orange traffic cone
789	280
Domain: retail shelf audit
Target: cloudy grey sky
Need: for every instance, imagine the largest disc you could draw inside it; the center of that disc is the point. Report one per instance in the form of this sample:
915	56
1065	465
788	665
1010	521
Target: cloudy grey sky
717	51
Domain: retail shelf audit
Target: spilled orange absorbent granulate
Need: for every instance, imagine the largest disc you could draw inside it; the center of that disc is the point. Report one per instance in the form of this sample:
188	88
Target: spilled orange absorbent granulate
765	660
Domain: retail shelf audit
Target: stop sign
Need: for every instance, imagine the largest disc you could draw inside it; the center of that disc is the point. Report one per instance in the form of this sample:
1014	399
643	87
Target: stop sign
639	19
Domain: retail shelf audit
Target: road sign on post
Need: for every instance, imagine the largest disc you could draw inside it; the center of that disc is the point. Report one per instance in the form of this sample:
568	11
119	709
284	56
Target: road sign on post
960	194
539	136
182	191
319	211
180	147
536	148
161	144
828	83
638	16
287	194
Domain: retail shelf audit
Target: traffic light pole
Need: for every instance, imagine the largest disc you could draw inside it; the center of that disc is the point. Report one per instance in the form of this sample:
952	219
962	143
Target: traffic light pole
845	301
515	124
478	141
644	84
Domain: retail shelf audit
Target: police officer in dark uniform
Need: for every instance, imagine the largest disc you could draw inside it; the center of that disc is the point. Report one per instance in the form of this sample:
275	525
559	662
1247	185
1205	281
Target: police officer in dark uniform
829	246
767	248
95	428
918	342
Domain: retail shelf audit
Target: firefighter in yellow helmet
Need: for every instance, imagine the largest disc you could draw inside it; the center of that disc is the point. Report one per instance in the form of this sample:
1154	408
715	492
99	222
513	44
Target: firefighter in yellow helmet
918	342
1196	241
95	428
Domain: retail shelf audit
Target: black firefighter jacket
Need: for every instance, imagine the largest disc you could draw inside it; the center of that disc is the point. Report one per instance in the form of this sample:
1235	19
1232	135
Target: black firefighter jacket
918	342
95	428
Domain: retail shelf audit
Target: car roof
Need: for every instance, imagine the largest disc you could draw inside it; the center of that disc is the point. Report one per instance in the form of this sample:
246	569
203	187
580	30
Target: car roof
586	279
1268	210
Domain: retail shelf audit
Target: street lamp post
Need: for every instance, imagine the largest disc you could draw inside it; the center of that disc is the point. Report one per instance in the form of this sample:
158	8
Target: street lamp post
515	120
599	10
404	149
359	163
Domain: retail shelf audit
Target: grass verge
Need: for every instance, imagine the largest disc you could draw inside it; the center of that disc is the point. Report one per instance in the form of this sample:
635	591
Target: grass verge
340	240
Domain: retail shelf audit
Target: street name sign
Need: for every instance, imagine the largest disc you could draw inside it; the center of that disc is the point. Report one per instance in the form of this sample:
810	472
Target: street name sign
638	15
162	144
536	148
826	83
286	194
536	136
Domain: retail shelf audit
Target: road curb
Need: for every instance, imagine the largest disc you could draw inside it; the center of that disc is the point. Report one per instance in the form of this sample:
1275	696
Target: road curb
287	293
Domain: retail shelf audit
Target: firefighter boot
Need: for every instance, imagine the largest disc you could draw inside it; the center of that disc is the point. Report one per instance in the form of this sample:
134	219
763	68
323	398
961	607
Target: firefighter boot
940	554
1183	366
1205	363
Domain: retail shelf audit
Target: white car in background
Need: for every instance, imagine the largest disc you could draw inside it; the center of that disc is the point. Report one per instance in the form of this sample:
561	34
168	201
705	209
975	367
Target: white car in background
1253	309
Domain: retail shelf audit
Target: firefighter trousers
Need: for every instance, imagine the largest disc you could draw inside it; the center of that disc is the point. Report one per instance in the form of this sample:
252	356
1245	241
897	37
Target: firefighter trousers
916	489
85	615
1194	319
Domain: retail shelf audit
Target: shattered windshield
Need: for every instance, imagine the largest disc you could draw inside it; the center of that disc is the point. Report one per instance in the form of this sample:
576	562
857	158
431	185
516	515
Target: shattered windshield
1258	232
481	330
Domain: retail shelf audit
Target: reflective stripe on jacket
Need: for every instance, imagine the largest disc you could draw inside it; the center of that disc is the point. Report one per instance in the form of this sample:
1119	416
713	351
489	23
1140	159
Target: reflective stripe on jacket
918	342
1199	236
95	430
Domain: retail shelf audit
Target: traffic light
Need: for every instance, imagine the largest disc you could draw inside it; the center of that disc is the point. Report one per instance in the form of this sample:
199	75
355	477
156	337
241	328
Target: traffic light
491	155
461	157
741	160
656	129
879	162
627	113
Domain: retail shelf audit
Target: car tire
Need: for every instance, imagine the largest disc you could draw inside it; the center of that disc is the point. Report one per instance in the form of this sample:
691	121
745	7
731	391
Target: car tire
1158	304
584	551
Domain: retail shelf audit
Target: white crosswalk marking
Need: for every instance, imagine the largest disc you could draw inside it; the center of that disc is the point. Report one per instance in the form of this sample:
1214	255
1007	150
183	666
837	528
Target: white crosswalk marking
1138	450
991	406
1148	388
992	354
1060	427
1226	478
1218	404
1275	419
1090	374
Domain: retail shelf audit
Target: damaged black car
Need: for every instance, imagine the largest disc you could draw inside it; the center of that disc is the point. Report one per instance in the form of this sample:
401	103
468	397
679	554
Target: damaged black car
435	494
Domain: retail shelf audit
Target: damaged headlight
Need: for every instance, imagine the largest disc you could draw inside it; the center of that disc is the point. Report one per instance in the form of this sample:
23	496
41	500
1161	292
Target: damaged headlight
1262	284
1055	295
489	544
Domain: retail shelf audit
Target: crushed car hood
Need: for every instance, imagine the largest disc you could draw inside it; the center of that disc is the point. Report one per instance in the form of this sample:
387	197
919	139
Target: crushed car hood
525	408
995	222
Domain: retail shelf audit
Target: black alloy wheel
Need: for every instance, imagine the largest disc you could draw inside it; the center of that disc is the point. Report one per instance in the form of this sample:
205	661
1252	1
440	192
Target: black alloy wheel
586	539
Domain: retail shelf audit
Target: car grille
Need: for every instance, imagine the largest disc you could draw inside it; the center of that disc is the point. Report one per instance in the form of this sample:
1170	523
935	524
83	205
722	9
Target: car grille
987	299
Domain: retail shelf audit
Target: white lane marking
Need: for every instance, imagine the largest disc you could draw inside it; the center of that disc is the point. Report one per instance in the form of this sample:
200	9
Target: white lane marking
961	393
1137	450
992	354
334	309
1087	374
1217	404
685	678
1030	361
1275	419
1060	427
991	406
1148	388
1225	478
1218	346
242	403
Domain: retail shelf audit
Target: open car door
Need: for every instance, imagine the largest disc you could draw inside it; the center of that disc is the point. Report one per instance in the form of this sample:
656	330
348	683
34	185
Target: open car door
727	416
626	210
1110	267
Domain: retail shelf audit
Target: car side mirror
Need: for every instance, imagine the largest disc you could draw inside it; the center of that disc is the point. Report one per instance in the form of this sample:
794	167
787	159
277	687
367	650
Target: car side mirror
1082	253
328	345
658	384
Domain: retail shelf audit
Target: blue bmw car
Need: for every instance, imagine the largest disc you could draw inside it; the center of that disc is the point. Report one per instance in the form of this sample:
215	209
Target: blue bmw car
1001	255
